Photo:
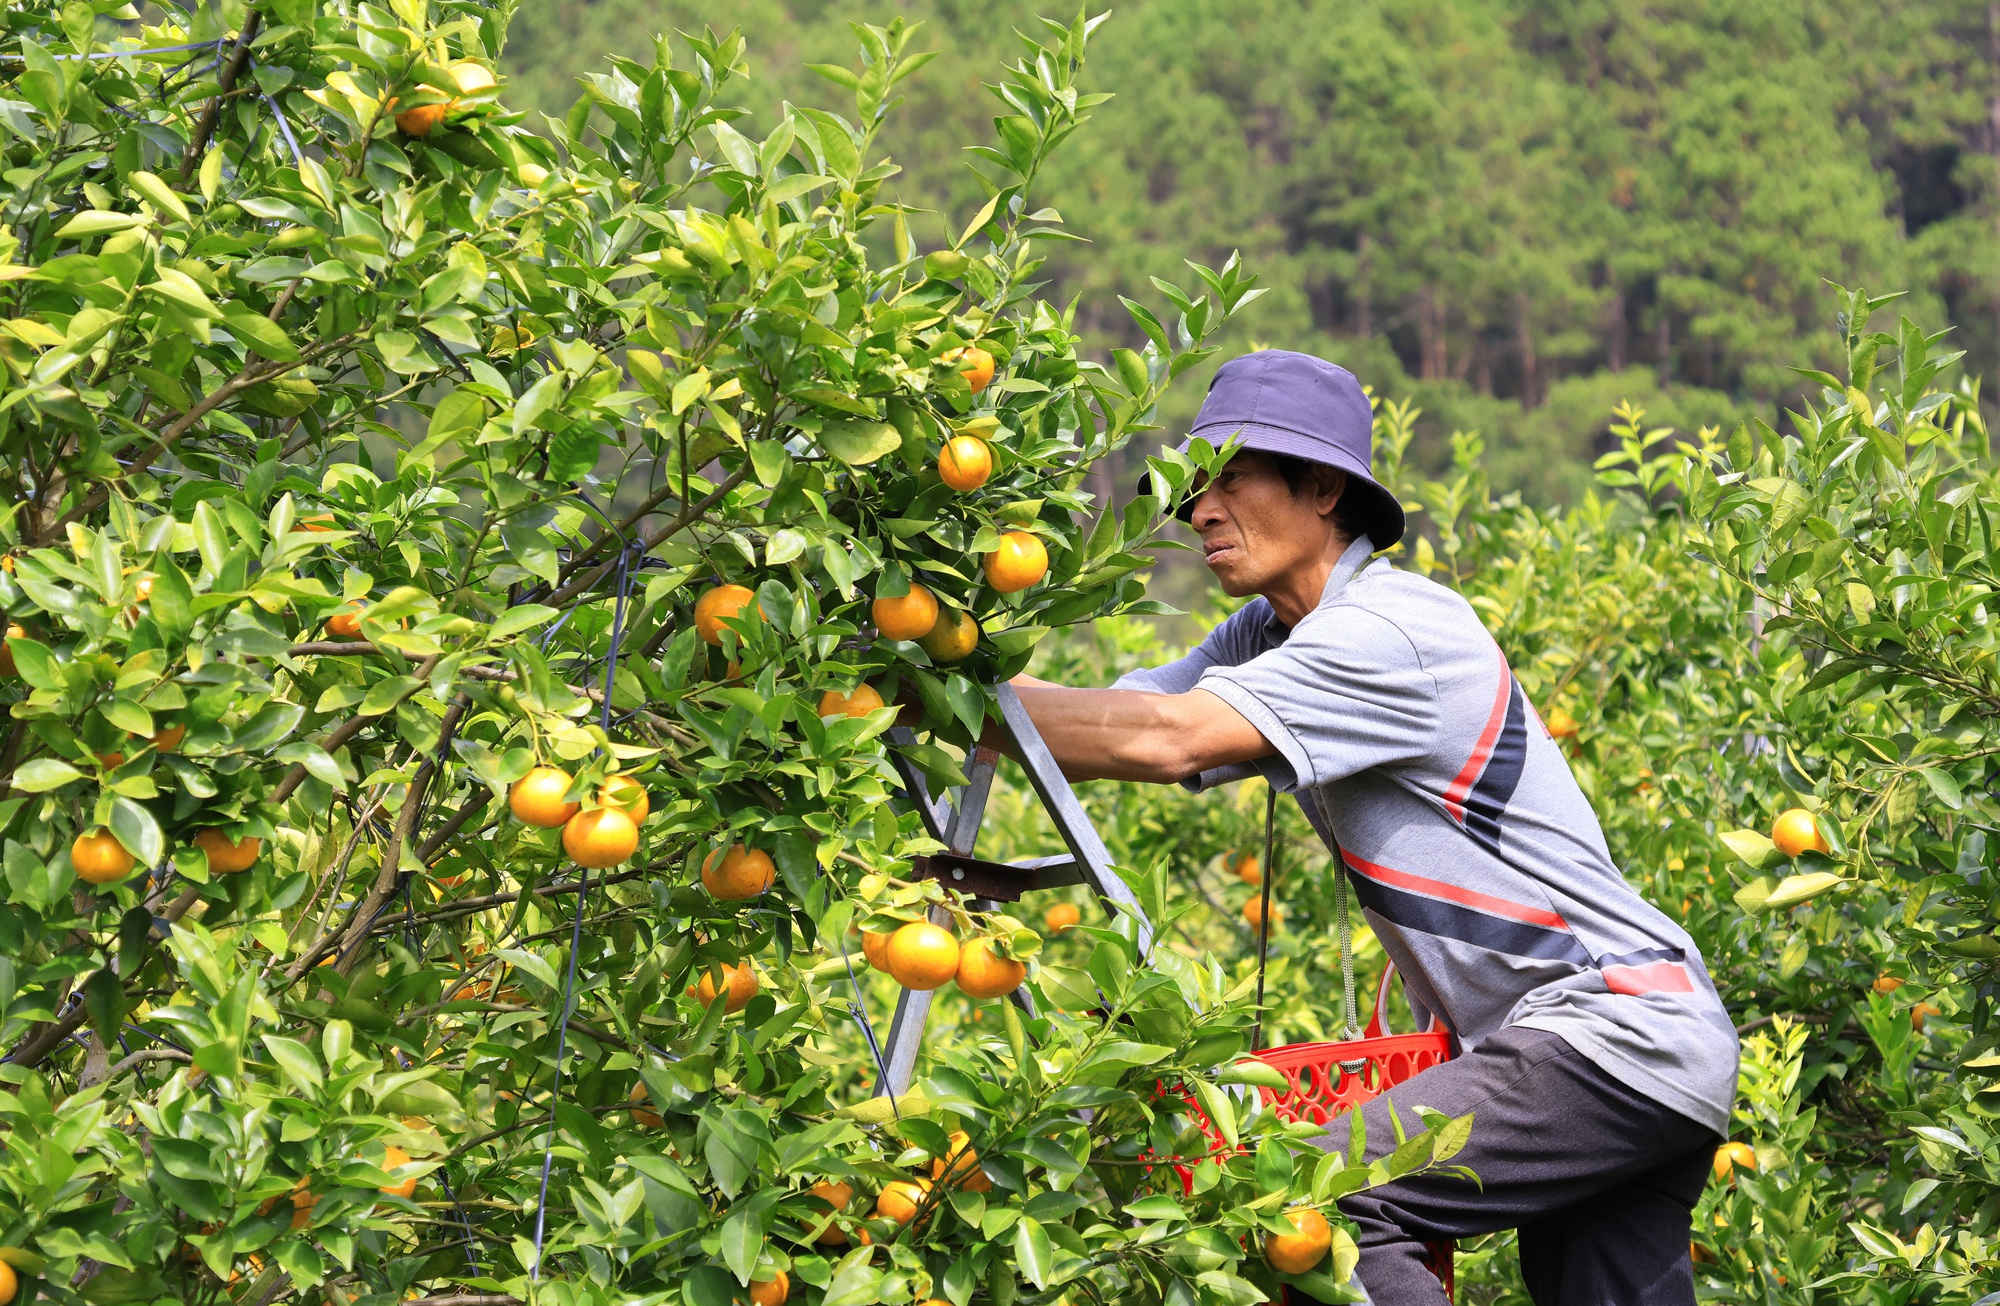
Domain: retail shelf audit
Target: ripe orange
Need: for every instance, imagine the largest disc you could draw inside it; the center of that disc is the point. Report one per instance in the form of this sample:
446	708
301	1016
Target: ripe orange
144	589
965	463
1019	562
627	795
1253	912
978	369
391	1158
14	631
111	761
922	956
984	973
319	521
1061	916
900	1199
875	947
1561	725
345	623
1248	869
965	1171
739	873
910	616
1887	984
836	1194
1796	832
721	603
167	738
642	1116
602	837
1731	1155
953	638
739	985
537	798
421	120
771	1292
9	1283
1920	1011
227	856
99	858
859	701
1295	1253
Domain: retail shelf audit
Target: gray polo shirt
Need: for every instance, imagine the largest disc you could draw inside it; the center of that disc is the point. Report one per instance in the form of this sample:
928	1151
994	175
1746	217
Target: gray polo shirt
1474	856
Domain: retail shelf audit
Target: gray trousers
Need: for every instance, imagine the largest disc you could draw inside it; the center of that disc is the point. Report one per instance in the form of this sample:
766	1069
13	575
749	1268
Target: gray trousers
1600	1181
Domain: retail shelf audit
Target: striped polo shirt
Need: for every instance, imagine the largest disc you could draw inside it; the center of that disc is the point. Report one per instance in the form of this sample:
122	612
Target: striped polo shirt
1475	857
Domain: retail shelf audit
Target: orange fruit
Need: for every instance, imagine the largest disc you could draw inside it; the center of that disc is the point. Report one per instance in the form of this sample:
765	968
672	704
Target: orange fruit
741	872
1253	912
1796	832
1061	916
1561	725
875	947
14	631
227	856
1920	1011
345	623
1887	984
771	1292
900	1199
1731	1155
391	1158
641	1115
836	1194
627	795
719	604
1295	1253
319	521
537	798
111	761
303	1201
9	1283
978	369
144	589
99	858
859	701
1019	562
953	638
965	1171
910	616
739	985
167	738
422	120
922	956
984	973
1248	869
471	77
604	836
965	463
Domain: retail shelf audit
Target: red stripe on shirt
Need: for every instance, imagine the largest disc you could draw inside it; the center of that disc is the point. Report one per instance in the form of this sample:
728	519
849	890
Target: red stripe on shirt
1453	893
1454	795
1660	977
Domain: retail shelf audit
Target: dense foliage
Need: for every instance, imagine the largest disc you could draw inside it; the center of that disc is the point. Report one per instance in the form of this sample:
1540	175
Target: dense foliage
1518	212
322	368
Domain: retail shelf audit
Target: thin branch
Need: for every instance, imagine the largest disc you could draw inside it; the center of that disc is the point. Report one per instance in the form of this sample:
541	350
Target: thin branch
687	517
142	1056
204	129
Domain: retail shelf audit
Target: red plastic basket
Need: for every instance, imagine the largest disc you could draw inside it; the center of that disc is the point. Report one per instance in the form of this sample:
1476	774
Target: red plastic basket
1322	1089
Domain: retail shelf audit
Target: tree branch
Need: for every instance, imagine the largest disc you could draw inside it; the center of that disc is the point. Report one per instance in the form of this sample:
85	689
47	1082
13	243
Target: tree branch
205	129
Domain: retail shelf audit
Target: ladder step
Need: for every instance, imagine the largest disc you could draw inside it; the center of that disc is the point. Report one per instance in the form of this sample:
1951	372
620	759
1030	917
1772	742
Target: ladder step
1000	881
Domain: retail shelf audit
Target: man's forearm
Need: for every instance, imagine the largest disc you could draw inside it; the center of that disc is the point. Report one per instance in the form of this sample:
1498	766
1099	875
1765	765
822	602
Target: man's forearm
1126	734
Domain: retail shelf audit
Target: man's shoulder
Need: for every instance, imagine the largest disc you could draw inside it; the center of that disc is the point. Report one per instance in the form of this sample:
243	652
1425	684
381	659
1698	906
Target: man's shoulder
1404	599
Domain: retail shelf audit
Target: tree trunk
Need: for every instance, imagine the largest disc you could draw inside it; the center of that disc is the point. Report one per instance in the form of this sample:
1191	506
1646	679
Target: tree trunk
1614	332
1524	345
1364	308
1663	347
1431	314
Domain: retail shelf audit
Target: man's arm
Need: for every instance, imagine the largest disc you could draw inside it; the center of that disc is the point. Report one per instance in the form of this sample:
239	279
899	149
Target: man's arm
1128	734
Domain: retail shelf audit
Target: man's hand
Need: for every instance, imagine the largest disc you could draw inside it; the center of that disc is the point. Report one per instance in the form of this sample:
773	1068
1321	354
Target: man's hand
1126	734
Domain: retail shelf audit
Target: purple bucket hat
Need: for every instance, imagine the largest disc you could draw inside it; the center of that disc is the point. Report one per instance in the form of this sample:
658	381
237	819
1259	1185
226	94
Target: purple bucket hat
1283	402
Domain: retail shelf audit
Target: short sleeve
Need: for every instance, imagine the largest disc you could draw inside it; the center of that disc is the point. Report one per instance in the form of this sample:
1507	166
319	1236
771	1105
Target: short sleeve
1234	641
1346	693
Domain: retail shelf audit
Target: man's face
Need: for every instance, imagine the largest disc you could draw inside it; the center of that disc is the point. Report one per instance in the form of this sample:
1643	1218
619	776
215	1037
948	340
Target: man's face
1255	530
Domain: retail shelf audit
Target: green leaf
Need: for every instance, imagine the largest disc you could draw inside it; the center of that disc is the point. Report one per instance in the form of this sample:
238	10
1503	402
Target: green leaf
1795	889
104	1005
1944	786
1752	847
43	774
1252	1071
86	225
742	1242
260	333
858	442
1032	1254
296	1060
159	195
135	827
385	693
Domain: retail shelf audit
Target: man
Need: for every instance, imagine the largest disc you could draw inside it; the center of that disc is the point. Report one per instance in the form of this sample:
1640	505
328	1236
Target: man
1592	1048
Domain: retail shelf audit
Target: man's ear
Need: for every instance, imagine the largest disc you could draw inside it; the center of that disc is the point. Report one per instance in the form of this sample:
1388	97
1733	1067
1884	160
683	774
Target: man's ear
1332	487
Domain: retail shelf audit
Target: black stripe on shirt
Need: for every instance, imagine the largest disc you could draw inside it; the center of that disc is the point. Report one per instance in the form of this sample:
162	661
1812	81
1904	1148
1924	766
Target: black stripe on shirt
1451	921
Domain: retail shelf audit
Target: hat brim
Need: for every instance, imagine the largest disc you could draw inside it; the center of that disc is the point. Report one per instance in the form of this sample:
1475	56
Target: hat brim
1379	513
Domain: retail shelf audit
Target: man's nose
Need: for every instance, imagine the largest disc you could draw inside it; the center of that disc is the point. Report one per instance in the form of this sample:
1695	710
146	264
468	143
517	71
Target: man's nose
1207	510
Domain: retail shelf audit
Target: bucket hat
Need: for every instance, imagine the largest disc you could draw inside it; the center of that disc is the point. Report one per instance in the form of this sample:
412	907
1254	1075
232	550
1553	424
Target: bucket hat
1280	401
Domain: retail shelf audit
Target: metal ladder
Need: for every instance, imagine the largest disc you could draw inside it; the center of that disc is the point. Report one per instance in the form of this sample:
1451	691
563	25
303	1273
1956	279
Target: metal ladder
955	824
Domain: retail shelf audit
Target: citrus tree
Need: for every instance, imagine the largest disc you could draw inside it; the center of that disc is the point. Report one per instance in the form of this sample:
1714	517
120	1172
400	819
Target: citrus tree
460	581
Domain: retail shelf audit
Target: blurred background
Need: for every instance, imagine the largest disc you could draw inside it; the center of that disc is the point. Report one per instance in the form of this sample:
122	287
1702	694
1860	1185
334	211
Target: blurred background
1517	213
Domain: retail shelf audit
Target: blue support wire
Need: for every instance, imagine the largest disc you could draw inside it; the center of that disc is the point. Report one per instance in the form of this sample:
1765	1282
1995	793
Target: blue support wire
576	922
860	1014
